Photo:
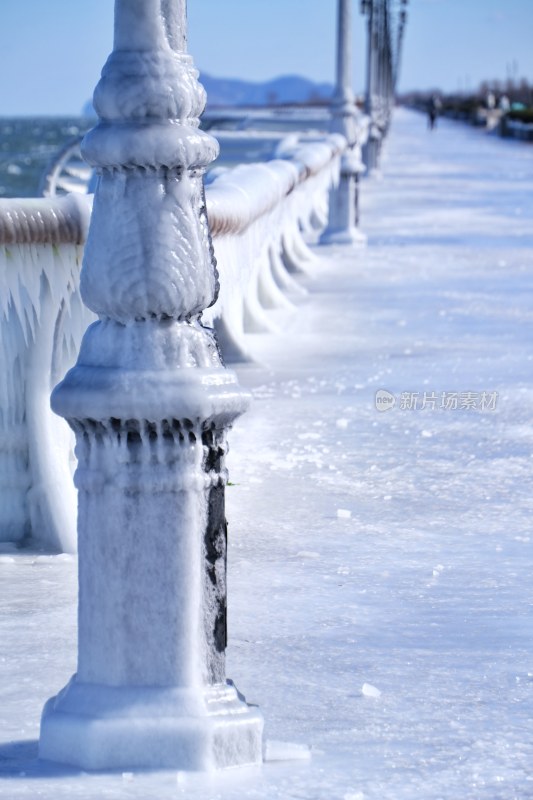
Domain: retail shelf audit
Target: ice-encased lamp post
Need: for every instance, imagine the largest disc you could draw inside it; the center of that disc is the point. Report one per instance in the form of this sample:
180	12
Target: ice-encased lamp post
150	403
343	218
374	11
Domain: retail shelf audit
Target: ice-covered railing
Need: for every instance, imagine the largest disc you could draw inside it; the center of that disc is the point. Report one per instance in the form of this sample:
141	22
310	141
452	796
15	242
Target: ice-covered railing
258	214
42	320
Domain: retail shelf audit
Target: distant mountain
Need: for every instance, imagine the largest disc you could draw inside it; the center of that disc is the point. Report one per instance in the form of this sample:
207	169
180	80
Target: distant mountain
286	89
234	92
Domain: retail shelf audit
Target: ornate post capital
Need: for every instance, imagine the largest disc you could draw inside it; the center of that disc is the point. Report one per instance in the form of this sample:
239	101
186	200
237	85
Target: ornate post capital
148	254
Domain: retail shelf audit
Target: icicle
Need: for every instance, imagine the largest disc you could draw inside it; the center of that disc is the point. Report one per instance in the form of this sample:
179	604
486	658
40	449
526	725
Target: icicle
36	282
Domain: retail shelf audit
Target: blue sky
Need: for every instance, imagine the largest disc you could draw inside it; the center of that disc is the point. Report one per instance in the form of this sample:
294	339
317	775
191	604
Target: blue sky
51	51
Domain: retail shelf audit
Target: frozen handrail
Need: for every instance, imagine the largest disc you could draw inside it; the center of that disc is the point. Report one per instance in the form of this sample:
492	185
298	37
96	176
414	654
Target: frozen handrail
242	195
61	220
257	214
65	220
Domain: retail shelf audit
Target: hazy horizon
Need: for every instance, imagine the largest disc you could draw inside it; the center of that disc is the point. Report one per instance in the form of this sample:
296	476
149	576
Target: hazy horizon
53	52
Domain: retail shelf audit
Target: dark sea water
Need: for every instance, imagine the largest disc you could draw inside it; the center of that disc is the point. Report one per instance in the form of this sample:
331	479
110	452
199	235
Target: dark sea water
27	145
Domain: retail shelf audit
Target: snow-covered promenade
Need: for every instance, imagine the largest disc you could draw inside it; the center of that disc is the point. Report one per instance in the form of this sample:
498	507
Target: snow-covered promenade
380	600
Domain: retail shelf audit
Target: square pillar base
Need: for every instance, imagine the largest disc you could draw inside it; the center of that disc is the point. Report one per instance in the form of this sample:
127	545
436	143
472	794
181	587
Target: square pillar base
351	236
97	727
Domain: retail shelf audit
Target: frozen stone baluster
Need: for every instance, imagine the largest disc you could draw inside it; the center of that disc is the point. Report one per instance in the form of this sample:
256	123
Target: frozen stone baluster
150	403
344	201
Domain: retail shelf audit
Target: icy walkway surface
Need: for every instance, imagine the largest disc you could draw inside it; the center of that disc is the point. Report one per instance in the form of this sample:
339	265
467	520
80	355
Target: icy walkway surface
380	566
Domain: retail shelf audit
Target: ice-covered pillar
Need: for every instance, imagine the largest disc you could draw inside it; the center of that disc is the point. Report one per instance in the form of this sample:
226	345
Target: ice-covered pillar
150	403
343	199
372	146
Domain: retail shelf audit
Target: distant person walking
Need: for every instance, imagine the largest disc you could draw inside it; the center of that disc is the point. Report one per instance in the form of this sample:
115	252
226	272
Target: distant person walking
433	111
504	104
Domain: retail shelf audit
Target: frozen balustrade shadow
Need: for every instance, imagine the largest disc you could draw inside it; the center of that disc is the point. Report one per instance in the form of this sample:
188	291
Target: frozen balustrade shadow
260	217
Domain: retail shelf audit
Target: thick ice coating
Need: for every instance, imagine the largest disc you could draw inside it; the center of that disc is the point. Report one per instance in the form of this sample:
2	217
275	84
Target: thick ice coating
150	403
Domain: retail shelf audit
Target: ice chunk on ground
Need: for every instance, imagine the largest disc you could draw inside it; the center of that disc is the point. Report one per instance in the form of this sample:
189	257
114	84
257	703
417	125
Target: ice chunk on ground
368	690
286	751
